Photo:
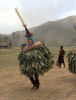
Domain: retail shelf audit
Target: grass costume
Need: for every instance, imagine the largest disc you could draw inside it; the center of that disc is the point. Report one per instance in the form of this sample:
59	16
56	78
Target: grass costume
72	61
35	59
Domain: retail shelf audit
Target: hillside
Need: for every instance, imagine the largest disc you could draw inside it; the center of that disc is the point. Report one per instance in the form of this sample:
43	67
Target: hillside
52	33
56	32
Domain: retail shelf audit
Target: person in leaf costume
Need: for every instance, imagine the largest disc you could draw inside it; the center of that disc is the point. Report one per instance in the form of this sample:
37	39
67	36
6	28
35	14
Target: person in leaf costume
72	61
35	59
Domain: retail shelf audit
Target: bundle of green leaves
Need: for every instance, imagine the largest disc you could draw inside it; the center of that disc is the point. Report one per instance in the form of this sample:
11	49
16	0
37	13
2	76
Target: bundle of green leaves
72	62
38	60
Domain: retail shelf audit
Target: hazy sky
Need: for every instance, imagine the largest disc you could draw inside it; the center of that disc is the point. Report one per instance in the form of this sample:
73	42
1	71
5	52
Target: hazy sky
34	12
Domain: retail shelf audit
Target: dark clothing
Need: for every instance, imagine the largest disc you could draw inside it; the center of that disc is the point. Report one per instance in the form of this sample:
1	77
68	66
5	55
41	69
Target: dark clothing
61	56
35	80
27	31
32	80
61	59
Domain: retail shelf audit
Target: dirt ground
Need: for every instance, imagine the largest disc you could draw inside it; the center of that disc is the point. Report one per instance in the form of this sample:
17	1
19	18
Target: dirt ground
57	84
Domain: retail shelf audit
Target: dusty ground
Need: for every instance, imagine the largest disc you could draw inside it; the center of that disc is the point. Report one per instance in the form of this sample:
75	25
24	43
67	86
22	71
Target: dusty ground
57	84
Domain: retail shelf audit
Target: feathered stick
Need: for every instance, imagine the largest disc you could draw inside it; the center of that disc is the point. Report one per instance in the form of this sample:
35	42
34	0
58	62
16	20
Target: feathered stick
28	34
20	17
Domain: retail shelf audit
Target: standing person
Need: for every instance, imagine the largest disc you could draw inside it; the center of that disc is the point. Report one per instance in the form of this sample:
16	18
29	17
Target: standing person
30	41
61	56
35	59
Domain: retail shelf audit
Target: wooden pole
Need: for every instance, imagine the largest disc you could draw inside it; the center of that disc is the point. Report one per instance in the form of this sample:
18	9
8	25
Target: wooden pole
20	17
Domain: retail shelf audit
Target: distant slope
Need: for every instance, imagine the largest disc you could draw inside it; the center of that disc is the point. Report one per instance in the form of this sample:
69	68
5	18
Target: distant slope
52	33
57	32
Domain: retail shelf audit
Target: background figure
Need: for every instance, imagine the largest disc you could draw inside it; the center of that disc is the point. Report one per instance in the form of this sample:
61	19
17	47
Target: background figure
61	56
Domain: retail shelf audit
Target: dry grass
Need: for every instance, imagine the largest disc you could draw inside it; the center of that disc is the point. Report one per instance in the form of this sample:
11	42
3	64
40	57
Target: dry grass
57	84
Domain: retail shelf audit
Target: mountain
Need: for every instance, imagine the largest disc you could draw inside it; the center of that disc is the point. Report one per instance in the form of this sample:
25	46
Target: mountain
52	33
59	32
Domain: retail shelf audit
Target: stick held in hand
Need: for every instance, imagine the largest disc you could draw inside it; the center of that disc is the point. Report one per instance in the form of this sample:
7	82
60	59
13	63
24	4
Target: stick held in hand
16	9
